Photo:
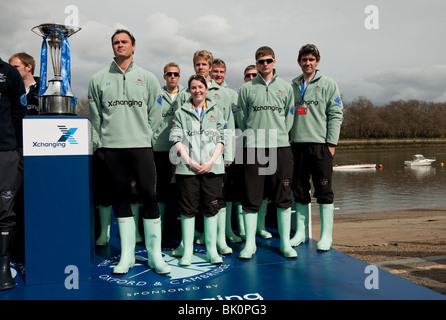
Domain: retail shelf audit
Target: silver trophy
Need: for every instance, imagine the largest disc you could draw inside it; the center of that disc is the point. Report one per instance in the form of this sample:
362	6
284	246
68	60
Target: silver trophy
57	98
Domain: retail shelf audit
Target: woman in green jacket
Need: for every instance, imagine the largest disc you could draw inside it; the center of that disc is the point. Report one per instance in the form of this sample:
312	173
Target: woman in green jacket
198	138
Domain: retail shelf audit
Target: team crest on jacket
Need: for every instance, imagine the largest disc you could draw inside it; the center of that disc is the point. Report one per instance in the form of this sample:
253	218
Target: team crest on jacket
338	100
23	100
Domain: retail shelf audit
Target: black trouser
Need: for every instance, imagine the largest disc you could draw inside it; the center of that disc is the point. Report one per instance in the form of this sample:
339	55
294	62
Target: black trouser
164	174
271	179
202	193
312	160
234	184
102	184
9	174
124	165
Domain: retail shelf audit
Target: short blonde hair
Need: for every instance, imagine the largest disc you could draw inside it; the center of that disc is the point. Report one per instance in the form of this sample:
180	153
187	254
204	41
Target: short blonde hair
171	64
219	63
204	54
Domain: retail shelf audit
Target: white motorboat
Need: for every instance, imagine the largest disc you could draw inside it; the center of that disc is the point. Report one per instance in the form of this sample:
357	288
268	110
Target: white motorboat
419	160
359	166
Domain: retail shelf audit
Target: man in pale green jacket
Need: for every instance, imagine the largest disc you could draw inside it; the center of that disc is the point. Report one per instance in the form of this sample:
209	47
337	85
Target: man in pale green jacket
125	104
315	133
265	114
161	144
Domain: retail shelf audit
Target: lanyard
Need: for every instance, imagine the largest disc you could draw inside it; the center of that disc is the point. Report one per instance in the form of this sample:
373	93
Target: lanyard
201	111
304	88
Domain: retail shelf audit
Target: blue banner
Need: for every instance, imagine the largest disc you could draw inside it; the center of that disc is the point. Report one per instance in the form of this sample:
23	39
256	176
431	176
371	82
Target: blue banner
43	67
66	69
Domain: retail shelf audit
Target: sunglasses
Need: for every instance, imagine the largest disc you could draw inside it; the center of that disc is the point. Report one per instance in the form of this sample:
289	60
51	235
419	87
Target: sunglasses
268	61
169	74
250	75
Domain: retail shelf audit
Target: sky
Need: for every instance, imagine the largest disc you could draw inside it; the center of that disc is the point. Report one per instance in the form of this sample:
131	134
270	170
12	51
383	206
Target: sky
394	50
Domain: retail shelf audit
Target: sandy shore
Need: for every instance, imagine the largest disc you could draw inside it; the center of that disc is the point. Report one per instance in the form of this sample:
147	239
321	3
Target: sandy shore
389	235
392	236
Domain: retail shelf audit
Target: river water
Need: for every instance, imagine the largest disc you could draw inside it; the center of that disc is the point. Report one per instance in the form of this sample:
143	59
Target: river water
394	187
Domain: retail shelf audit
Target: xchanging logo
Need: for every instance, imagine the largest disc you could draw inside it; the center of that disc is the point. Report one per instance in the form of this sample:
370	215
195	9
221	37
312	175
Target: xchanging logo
67	134
128	103
267	108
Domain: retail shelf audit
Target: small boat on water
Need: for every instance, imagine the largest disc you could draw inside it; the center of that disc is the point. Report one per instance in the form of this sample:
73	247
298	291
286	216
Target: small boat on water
419	160
358	166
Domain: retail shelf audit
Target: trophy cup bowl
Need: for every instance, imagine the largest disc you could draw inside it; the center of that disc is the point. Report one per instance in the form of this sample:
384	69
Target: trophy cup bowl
55	100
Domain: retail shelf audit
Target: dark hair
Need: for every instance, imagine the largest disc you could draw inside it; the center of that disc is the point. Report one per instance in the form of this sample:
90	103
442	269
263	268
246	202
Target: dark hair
309	49
264	51
132	38
198	77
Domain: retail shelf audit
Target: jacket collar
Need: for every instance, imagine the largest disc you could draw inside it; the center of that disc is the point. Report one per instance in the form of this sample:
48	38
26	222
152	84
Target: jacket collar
114	68
189	107
261	80
299	79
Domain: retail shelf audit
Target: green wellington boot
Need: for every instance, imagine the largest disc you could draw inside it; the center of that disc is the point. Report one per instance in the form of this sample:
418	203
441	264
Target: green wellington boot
240	220
152	232
162	208
261	229
229	232
210	227
327	218
250	228
222	246
135	211
187	235
284	224
127	235
105	222
302	224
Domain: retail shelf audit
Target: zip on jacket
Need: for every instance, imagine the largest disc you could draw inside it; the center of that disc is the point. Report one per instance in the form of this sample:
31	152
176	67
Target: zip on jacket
123	82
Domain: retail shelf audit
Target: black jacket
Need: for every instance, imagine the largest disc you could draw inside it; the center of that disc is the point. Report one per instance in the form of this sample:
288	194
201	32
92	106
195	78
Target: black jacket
32	98
12	107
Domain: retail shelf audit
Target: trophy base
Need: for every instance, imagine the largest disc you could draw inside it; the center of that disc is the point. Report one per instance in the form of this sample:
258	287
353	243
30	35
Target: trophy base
57	105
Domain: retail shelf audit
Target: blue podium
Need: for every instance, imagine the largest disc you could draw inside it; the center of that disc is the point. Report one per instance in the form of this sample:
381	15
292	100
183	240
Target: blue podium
59	216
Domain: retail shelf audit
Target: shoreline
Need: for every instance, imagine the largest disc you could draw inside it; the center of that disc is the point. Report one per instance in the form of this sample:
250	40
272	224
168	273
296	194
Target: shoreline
389	143
408	243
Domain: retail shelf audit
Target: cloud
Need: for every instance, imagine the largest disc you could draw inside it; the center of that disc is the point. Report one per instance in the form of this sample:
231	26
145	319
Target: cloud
163	37
176	39
216	31
381	86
